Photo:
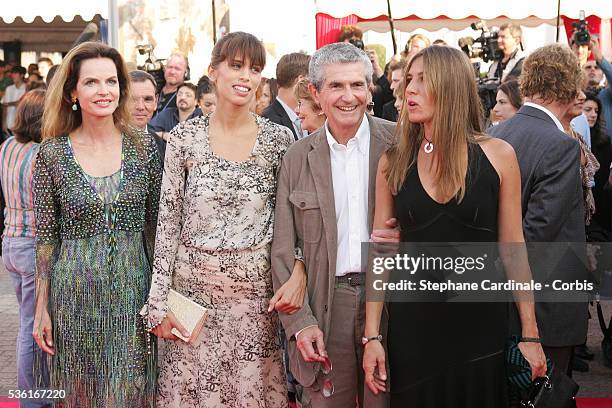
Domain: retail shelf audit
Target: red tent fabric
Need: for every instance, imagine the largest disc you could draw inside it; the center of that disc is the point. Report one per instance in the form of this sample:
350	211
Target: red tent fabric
594	402
328	27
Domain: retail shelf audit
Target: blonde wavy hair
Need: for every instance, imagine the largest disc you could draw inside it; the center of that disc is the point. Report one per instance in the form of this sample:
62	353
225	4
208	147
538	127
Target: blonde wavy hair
553	73
58	117
457	121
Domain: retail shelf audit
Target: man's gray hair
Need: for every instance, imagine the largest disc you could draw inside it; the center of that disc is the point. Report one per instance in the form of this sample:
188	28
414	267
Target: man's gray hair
336	53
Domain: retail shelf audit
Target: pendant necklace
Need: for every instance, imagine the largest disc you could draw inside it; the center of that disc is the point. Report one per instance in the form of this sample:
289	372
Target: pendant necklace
428	148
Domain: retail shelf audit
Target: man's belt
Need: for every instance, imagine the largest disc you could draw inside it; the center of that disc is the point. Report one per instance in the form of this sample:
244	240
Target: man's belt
352	279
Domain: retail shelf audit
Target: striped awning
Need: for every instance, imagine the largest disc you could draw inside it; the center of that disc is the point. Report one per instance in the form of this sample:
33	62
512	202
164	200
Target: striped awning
47	10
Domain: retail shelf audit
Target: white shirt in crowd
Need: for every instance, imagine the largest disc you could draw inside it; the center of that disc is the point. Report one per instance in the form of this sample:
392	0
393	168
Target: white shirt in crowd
12	94
294	119
350	175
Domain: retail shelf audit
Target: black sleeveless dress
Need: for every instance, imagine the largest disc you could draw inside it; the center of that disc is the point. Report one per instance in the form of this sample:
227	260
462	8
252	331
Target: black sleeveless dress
449	354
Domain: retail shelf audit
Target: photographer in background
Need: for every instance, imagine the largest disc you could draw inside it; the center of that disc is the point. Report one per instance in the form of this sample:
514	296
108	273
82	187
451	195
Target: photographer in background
175	73
595	70
351	34
381	94
512	56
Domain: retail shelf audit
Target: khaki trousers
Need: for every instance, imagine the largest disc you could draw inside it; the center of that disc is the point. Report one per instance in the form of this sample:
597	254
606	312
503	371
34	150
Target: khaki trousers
346	355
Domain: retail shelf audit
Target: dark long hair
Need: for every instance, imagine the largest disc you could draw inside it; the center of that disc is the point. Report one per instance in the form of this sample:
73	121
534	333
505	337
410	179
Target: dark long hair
598	131
511	88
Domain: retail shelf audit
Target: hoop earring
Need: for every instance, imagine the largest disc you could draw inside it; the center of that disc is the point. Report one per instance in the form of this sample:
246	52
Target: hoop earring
75	106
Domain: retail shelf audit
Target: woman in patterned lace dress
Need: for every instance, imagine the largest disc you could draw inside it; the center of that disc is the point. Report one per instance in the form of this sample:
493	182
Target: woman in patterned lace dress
213	244
96	191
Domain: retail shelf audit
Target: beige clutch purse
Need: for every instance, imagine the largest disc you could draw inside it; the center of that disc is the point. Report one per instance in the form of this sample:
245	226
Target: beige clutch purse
190	314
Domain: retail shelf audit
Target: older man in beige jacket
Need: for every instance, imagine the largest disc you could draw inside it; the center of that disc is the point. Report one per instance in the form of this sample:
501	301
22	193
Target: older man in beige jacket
324	209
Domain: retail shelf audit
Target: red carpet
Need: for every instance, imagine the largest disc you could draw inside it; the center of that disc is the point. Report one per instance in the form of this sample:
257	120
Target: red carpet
5	402
582	403
594	403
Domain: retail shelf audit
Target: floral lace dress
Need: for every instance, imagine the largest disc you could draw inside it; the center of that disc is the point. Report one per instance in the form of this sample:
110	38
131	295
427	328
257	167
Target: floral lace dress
91	261
588	167
213	245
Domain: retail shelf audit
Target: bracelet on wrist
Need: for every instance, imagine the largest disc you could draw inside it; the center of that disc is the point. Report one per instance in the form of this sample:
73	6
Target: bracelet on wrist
530	340
299	254
365	340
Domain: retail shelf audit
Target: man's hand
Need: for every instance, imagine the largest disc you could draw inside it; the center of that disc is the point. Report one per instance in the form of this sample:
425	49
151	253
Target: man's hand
374	367
164	329
536	358
289	298
595	49
305	340
391	235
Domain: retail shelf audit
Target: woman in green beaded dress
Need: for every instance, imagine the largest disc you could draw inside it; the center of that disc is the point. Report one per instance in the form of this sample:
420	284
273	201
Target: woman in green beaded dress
96	192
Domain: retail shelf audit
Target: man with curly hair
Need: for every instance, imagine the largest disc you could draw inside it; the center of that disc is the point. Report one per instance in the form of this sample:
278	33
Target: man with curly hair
553	209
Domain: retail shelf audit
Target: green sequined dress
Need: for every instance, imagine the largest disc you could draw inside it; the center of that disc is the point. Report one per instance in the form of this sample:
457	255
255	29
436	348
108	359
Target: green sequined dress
94	234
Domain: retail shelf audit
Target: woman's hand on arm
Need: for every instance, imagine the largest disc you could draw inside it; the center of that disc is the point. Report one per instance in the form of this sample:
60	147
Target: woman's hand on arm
374	359
289	298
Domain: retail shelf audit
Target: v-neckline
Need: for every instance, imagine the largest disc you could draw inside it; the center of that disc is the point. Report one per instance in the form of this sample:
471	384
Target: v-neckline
254	149
450	201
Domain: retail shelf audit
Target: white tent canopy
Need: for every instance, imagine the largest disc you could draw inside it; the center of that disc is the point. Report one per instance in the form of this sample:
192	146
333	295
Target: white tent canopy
439	15
484	9
48	9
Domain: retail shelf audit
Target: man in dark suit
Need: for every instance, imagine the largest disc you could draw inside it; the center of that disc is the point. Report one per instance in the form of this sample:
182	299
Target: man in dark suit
289	71
553	208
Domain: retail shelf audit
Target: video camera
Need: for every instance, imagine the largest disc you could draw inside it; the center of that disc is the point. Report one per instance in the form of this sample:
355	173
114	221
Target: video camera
486	45
581	32
357	43
486	49
152	65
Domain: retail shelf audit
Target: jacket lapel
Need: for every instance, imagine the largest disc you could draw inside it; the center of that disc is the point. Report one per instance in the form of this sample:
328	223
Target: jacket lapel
320	165
284	118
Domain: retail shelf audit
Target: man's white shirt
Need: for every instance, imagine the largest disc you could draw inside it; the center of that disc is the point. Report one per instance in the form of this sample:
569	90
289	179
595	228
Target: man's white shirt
350	175
350	166
12	94
293	117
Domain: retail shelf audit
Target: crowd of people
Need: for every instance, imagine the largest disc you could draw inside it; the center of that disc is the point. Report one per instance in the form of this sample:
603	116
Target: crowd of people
252	197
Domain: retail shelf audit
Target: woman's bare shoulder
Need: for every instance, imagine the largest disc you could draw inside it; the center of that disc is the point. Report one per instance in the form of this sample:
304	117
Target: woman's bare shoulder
499	152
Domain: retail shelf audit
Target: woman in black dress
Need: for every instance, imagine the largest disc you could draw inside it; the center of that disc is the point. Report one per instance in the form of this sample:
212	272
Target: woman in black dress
599	229
446	181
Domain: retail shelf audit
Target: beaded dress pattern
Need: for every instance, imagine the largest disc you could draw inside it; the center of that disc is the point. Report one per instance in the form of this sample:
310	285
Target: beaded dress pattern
94	234
213	246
